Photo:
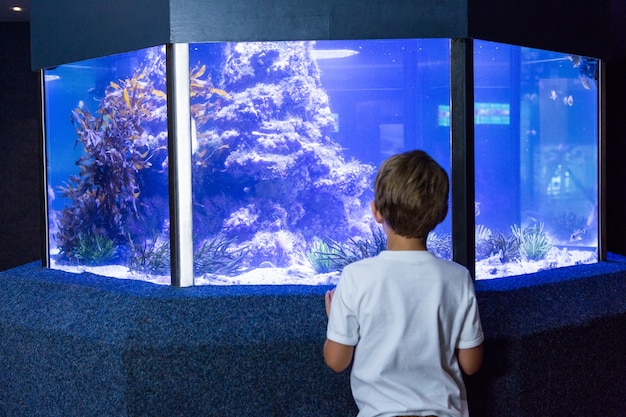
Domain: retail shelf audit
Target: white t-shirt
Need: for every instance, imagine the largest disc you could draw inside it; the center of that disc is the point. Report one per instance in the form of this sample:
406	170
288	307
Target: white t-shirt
406	312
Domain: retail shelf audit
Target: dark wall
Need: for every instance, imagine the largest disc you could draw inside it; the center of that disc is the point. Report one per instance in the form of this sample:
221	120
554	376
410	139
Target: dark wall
19	149
66	31
573	26
616	157
616	133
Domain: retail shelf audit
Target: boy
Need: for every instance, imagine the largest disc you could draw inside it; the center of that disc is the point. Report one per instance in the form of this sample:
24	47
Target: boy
409	318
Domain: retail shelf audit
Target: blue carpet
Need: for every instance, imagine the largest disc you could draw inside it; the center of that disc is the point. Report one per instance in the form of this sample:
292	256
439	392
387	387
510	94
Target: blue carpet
85	345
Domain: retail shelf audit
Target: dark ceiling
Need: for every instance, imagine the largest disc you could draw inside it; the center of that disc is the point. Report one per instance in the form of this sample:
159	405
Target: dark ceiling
7	14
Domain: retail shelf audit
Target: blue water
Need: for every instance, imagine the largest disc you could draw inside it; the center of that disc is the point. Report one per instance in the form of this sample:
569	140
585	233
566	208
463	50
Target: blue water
287	139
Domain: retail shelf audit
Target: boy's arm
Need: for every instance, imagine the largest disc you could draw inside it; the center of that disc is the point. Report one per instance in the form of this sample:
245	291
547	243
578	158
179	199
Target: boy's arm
337	356
470	360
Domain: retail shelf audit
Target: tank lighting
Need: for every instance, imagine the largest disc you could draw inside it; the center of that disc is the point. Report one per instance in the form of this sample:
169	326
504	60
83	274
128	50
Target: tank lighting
332	53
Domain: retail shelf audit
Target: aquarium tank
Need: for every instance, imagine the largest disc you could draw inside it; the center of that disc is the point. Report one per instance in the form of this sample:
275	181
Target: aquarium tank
536	159
286	138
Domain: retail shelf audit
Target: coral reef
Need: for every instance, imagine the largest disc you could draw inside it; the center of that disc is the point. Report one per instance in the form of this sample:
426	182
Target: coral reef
267	177
278	180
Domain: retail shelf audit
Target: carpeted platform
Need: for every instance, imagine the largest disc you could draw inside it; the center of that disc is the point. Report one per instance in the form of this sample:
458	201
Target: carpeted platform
84	345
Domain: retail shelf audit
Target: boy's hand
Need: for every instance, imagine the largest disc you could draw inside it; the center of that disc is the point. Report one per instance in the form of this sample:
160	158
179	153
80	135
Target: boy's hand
328	298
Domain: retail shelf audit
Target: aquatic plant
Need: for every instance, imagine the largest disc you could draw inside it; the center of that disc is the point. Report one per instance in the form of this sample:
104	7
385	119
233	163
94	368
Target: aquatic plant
533	243
505	247
93	249
440	244
484	244
331	255
125	137
105	192
215	256
151	256
319	256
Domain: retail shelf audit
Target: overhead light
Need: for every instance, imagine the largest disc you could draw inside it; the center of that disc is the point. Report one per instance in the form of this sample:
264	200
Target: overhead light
332	53
17	9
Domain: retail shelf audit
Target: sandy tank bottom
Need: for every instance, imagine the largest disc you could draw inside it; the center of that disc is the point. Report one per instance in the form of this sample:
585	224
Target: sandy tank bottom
489	268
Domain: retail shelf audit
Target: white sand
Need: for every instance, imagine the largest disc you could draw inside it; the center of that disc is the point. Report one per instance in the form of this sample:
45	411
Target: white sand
304	275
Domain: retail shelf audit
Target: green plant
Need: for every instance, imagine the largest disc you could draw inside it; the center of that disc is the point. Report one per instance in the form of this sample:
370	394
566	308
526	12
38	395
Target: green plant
331	255
319	256
214	256
532	242
506	247
93	249
152	256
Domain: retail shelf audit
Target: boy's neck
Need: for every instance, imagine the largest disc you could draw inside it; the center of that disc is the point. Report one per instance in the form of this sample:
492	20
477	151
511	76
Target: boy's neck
397	242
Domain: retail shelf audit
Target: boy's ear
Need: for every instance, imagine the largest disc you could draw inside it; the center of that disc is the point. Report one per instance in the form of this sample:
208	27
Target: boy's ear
379	219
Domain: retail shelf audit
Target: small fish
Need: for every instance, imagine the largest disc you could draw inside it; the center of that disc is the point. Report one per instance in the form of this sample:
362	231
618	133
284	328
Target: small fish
575	60
569	100
530	97
553	95
476	208
585	82
577	235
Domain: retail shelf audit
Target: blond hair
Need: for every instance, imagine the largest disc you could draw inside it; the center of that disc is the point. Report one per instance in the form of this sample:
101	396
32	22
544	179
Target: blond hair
411	193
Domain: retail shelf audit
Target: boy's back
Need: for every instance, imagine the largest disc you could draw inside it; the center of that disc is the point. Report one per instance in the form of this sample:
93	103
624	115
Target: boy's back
408	319
408	311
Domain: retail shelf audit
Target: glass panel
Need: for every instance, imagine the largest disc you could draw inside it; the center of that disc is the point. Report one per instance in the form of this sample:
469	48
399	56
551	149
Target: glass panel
287	140
106	145
536	132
